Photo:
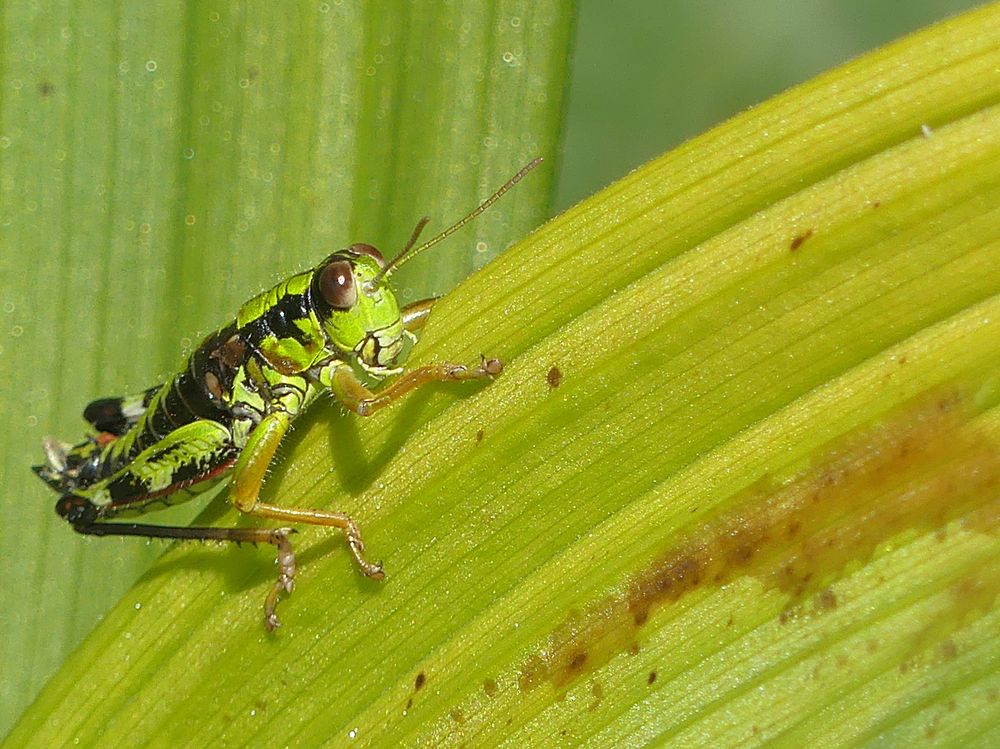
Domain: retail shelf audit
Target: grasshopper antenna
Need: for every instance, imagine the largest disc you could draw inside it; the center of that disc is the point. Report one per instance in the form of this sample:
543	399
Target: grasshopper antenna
409	252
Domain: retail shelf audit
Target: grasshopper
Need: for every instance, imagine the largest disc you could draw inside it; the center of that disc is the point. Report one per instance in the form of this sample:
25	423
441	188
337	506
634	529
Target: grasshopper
223	415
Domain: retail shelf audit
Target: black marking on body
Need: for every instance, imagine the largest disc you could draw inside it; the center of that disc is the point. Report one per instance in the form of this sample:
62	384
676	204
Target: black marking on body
128	489
198	392
202	390
279	322
107	415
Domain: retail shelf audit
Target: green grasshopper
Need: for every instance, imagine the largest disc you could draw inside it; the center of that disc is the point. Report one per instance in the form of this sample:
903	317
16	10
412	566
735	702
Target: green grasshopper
226	411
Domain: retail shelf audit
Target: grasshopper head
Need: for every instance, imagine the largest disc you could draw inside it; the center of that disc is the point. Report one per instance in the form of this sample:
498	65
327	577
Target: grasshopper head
355	303
357	307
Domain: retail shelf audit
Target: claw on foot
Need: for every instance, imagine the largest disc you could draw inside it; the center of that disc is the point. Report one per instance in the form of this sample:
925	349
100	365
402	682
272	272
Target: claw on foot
369	569
286	575
285	582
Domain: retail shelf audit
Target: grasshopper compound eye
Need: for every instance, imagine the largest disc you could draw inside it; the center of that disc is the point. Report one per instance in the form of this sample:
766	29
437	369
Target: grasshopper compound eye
336	283
367	249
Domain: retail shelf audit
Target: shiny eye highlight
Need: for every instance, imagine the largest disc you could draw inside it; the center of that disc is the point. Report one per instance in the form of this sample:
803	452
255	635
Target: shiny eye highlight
336	283
367	249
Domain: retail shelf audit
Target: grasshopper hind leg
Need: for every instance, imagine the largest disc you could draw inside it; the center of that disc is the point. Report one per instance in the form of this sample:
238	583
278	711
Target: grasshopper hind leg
82	515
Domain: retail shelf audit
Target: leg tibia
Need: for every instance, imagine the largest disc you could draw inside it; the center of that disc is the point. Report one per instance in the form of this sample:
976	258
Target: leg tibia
354	395
249	475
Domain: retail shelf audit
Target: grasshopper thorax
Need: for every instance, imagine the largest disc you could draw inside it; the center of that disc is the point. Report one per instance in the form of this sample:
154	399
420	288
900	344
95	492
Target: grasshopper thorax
357	307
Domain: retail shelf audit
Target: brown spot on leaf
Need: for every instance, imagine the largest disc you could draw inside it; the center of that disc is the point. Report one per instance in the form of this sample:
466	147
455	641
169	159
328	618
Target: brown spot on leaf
46	89
554	377
490	687
640	614
479	436
800	239
917	469
419	682
533	671
826	600
651	678
457	715
948	650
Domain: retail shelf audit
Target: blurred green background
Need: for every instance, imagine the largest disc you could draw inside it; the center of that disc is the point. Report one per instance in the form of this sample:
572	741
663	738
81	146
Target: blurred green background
648	75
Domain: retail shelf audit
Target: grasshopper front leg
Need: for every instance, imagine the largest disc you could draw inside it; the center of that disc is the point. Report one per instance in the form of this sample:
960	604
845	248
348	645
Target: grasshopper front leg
351	392
245	496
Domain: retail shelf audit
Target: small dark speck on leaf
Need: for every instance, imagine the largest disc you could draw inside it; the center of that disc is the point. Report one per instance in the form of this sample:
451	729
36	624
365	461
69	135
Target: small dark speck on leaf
797	241
554	377
46	89
420	680
948	650
651	678
479	436
826	600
